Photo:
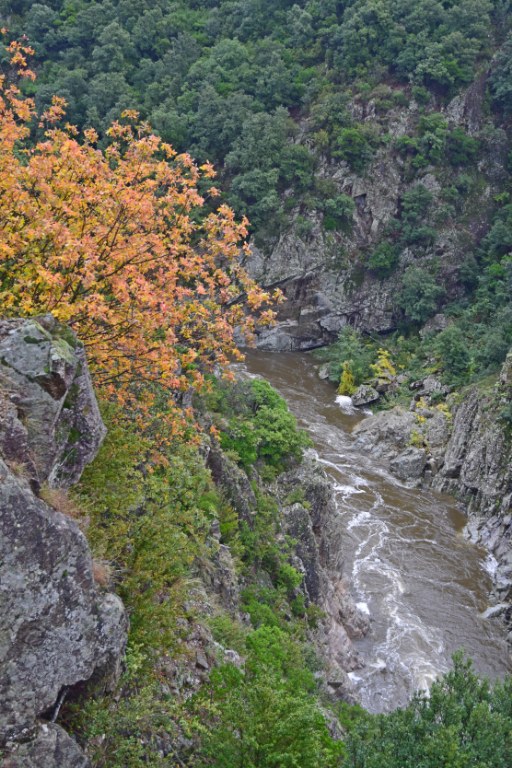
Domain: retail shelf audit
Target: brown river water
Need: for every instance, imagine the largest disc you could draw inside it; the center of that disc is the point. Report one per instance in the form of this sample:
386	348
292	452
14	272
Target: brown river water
424	586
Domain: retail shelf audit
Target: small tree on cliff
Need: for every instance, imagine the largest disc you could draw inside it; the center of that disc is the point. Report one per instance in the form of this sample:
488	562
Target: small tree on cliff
114	244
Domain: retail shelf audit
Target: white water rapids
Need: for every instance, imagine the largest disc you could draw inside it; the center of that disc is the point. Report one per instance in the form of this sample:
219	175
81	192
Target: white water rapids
424	586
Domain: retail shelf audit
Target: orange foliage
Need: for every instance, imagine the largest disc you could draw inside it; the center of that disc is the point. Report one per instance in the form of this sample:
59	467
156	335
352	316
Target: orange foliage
109	242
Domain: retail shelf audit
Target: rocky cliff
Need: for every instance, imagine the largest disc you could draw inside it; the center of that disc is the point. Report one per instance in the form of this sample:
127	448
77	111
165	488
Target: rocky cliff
314	527
326	274
58	628
62	635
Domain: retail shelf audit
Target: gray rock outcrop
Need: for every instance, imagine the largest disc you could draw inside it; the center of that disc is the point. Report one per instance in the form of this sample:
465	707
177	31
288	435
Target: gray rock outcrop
365	395
385	434
410	464
57	627
50	422
51	747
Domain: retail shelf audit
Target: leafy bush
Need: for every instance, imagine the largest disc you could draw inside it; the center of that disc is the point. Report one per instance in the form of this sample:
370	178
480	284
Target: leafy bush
420	294
347	385
140	513
384	258
501	77
265	716
353	146
338	212
452	347
350	349
265	431
461	149
463	721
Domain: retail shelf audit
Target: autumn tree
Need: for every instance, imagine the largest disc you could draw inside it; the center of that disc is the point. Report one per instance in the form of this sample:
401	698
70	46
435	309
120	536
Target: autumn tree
118	244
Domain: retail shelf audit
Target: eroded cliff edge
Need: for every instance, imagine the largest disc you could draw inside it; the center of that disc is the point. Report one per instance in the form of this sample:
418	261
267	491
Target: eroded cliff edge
57	627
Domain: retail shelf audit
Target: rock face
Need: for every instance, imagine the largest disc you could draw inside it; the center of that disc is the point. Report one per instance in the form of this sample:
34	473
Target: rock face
324	275
467	452
56	627
312	524
51	748
478	469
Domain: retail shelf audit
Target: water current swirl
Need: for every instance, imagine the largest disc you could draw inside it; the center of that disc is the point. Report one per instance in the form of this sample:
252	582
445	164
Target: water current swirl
409	564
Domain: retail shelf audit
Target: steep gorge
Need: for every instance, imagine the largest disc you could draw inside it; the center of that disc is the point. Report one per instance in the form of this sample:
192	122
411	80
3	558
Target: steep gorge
377	179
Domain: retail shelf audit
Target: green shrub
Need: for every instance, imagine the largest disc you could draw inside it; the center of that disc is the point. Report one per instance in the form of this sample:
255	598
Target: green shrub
266	715
266	431
353	146
462	721
139	513
289	577
228	632
352	349
420	294
338	212
461	149
384	258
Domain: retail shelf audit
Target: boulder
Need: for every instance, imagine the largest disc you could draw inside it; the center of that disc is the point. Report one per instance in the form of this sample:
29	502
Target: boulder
495	610
410	464
51	747
365	395
387	433
49	417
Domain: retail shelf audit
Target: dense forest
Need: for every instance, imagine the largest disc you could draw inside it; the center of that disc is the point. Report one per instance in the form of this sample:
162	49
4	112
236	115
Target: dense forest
274	94
261	89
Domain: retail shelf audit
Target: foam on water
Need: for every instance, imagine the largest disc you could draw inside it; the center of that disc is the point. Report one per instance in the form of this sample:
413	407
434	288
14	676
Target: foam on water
346	404
346	490
490	565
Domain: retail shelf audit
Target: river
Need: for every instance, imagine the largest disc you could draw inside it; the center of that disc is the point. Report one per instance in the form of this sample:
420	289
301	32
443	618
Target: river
424	586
